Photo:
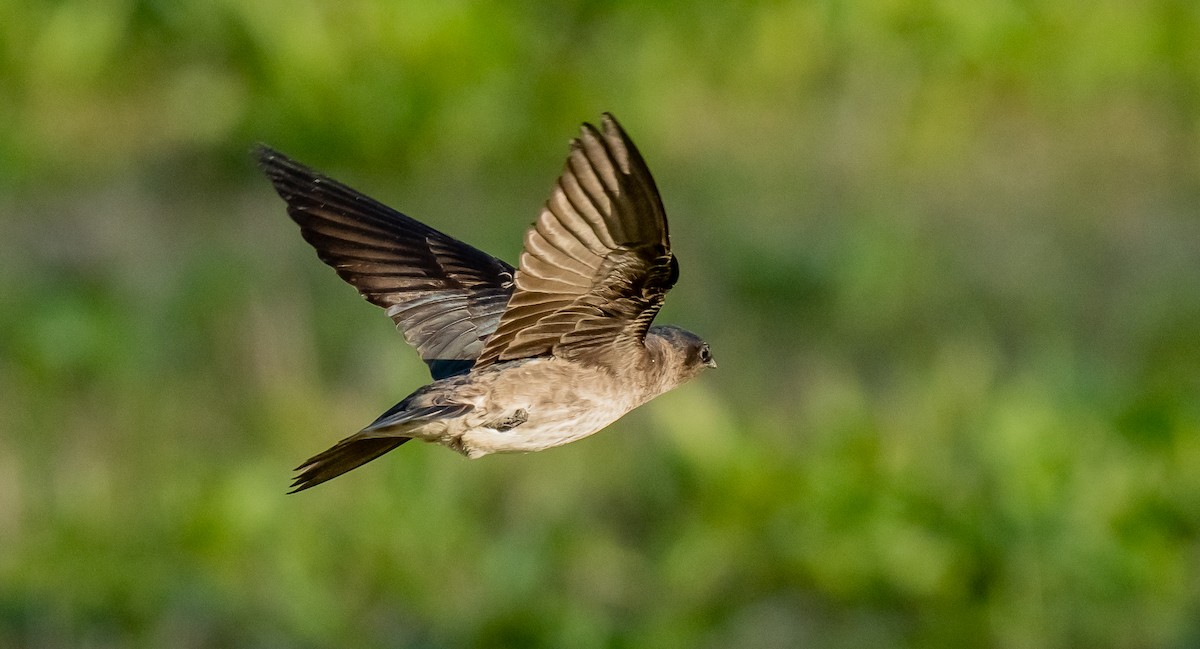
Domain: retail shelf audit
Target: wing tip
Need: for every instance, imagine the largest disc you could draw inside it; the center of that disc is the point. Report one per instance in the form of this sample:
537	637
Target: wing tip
281	170
609	128
266	157
588	131
610	124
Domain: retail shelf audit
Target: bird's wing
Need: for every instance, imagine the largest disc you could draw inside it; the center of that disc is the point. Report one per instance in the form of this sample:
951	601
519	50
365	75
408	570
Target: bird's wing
444	295
596	264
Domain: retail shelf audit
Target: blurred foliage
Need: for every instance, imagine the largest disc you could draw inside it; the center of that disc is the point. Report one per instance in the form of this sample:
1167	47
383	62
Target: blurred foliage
947	254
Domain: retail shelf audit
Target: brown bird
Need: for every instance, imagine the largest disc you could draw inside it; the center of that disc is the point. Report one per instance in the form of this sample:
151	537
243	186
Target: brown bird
522	359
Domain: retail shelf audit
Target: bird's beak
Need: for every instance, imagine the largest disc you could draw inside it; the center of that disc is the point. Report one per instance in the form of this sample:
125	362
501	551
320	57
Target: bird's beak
712	363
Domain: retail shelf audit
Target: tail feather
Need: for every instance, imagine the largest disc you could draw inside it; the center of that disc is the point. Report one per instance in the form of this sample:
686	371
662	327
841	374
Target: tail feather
380	437
347	454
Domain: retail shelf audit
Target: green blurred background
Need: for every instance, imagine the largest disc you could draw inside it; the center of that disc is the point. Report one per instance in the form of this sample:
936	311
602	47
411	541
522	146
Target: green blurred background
947	255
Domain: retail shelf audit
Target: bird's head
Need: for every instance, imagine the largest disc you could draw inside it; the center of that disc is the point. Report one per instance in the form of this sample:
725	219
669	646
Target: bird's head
682	354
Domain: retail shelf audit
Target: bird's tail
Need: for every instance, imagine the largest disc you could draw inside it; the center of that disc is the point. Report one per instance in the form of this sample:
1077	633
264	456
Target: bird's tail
385	434
350	453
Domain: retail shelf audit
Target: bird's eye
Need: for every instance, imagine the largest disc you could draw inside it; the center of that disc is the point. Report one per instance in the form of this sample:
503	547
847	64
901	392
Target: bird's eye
705	355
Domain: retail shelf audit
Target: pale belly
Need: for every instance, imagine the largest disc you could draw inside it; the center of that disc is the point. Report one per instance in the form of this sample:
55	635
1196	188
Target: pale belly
552	429
529	413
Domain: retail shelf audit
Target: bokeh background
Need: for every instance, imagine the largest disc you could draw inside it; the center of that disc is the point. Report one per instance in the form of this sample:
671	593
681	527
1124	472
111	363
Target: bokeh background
947	255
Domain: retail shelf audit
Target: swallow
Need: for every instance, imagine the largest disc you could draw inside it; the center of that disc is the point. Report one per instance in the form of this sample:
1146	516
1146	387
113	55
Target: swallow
522	359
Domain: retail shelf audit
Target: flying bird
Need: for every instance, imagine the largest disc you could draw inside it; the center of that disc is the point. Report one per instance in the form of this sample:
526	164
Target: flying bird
525	358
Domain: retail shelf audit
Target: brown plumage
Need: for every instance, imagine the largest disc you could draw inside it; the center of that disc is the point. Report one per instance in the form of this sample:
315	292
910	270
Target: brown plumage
523	359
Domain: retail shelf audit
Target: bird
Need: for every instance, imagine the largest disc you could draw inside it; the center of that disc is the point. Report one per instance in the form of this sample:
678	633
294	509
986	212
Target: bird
522	359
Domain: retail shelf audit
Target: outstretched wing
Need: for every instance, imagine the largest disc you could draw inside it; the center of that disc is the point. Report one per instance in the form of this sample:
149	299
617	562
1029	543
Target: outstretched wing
597	263
444	295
